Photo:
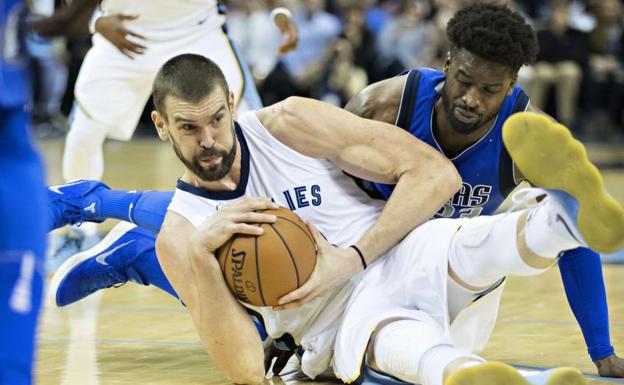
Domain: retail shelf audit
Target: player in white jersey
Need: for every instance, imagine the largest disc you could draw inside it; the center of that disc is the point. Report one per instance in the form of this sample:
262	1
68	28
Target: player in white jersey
116	76
417	291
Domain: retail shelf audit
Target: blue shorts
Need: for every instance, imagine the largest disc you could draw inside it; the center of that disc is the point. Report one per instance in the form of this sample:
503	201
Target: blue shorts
23	224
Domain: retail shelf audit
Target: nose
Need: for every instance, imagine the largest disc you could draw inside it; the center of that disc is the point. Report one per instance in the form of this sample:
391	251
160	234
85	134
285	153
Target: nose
206	138
471	98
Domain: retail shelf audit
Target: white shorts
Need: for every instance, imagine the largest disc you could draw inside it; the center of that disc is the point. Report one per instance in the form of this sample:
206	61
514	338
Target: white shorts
411	283
112	89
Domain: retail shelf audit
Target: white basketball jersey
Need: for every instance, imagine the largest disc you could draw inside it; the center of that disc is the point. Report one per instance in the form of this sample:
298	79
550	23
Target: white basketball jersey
318	192
165	14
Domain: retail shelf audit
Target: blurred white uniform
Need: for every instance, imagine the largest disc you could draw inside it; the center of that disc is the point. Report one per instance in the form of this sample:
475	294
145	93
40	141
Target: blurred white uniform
409	282
112	89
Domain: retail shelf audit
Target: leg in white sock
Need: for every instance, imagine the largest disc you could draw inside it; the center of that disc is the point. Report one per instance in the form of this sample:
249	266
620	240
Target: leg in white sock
83	157
416	351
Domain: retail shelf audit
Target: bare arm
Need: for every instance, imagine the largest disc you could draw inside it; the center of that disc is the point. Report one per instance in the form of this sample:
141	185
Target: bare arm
371	150
186	255
379	101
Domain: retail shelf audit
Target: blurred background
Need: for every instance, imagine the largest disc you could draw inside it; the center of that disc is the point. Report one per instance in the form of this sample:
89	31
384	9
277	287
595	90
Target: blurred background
345	45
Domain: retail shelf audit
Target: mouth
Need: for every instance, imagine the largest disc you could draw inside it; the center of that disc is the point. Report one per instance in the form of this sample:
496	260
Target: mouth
465	116
211	160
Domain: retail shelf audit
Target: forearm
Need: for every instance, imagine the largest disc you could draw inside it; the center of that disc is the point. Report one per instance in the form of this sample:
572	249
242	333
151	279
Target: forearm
581	272
417	196
222	324
226	330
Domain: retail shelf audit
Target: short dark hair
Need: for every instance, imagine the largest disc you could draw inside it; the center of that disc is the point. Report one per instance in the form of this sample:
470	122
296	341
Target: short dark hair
188	77
495	33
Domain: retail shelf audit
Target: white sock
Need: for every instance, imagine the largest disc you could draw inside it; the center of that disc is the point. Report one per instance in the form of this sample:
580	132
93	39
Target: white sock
83	157
435	361
400	345
545	238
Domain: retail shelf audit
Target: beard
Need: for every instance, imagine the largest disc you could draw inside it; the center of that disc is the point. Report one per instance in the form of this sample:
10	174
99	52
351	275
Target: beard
458	125
214	172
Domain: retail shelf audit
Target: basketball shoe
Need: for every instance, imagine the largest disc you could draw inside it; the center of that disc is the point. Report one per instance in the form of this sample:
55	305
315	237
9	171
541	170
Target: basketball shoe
550	158
497	373
107	264
74	203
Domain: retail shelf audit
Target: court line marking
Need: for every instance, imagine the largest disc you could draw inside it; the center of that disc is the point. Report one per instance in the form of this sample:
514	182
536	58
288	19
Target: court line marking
587	375
114	341
182	310
510	320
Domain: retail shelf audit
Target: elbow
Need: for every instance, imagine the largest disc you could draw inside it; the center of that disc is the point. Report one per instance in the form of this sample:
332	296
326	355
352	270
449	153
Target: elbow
450	180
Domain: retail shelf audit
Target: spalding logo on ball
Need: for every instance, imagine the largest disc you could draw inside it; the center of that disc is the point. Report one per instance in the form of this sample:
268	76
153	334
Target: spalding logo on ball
259	270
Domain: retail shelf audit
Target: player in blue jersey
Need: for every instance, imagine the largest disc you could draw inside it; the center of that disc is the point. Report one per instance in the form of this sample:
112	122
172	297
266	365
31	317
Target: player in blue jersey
459	111
22	202
23	223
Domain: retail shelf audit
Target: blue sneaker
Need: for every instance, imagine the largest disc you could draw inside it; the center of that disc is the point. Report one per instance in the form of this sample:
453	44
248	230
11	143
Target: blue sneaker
497	373
75	202
107	264
549	157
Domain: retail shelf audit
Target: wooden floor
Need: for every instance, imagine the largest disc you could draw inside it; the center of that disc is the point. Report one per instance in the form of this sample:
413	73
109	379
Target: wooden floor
139	335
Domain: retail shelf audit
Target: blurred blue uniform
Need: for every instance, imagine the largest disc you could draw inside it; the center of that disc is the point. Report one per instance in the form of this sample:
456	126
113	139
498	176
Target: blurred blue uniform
23	219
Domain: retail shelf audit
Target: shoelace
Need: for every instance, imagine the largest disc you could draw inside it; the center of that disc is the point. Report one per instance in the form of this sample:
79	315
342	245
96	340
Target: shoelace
95	284
72	212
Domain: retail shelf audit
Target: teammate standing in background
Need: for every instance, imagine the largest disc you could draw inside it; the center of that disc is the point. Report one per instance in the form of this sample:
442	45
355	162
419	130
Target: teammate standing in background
132	40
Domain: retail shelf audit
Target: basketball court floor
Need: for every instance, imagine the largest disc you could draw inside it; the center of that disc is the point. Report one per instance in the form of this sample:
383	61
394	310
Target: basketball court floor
139	335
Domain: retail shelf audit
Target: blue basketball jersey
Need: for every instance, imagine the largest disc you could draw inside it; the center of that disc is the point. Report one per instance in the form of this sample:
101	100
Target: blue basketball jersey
485	167
14	86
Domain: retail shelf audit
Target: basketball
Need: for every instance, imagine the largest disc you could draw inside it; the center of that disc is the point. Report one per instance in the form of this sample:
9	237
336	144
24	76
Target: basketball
259	270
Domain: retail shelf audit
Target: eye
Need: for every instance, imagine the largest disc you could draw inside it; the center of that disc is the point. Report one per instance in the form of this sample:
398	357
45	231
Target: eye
218	118
188	127
491	90
464	82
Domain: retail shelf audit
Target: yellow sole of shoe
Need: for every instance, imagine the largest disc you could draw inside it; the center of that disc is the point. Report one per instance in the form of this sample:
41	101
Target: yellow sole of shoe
549	157
497	373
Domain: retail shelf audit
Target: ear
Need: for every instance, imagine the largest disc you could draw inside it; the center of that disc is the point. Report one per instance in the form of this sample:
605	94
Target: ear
232	103
159	123
447	62
514	80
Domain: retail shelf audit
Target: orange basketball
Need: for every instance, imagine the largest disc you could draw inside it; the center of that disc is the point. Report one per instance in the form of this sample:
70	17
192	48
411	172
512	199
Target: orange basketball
259	270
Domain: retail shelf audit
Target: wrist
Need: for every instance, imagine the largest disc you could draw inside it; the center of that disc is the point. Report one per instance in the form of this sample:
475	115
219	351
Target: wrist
198	246
360	260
